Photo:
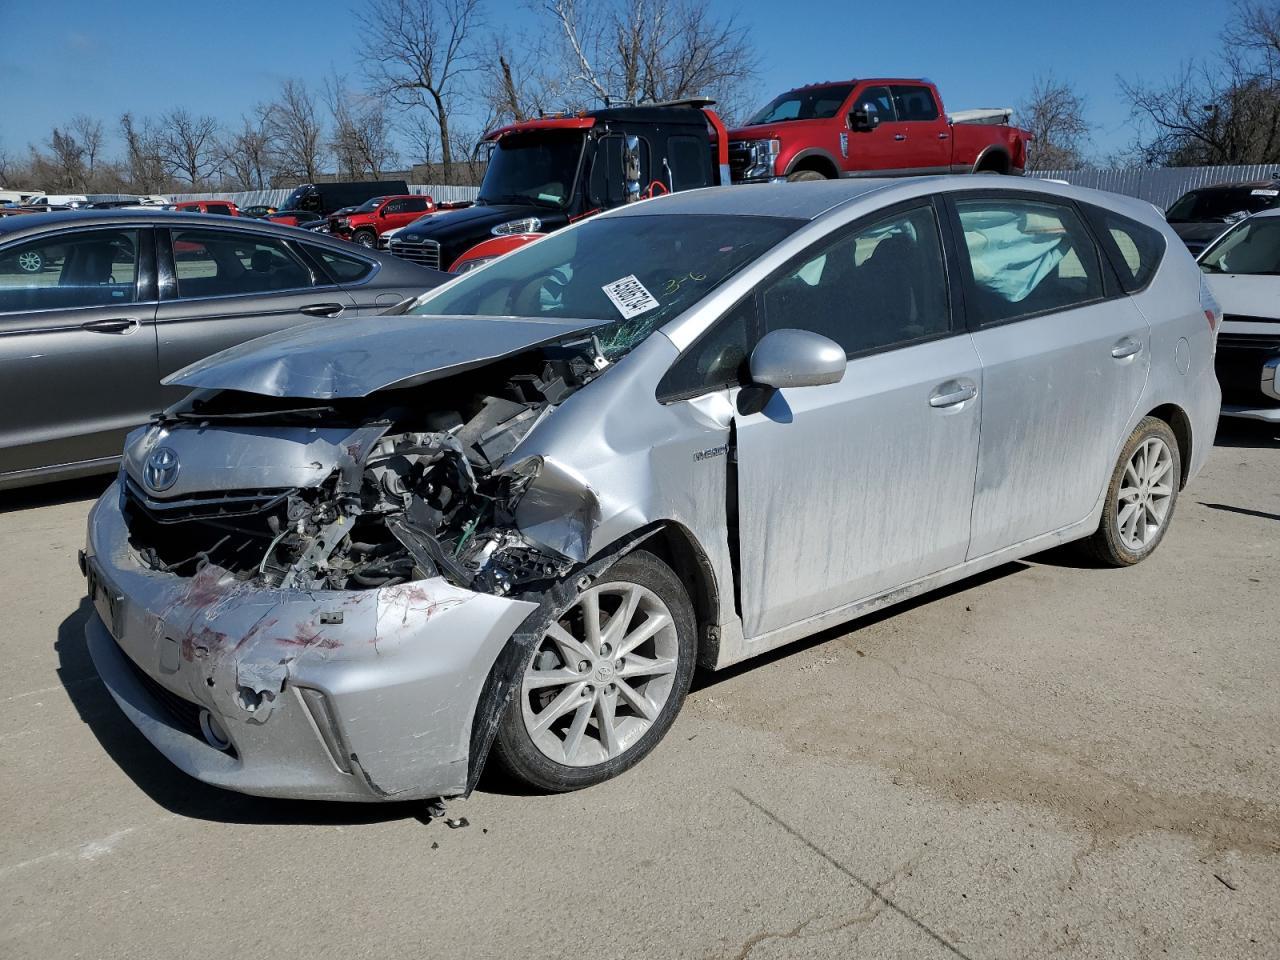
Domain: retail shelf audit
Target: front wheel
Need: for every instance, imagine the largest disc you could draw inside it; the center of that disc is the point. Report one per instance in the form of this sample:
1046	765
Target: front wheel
366	238
1140	498
605	682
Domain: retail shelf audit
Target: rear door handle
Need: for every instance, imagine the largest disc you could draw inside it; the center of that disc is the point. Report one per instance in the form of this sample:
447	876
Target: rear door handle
117	325
943	136
1126	347
899	136
321	309
952	393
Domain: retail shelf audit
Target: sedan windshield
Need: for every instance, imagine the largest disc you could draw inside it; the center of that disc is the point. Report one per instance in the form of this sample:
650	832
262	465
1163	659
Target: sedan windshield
815	103
634	273
1221	203
537	168
1251	247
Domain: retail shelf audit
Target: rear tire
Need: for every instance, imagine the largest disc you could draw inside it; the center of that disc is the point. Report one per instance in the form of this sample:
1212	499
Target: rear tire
592	704
799	176
1141	497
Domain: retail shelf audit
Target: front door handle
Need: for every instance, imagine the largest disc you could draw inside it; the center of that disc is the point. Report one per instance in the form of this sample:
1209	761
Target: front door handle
117	325
952	393
322	309
1126	347
899	136
943	136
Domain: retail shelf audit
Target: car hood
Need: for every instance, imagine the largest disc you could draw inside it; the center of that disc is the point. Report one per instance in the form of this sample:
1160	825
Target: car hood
1246	295
448	224
333	359
1202	230
776	131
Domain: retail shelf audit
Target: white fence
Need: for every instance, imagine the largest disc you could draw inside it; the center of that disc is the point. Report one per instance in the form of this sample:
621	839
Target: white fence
1160	185
274	198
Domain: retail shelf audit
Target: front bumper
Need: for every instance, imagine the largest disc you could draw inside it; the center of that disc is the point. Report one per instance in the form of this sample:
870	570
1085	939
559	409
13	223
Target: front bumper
333	695
1247	363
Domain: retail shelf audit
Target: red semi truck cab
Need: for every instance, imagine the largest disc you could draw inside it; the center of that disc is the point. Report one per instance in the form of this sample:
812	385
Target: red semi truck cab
869	128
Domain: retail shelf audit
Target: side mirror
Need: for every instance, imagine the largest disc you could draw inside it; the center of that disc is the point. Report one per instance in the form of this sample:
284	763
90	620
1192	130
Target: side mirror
862	120
797	358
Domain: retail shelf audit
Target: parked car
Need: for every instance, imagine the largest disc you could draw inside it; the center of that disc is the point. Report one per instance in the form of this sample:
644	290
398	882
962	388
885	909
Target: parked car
543	174
1242	269
57	200
225	208
97	306
18	196
872	128
365	223
1202	215
257	211
321	200
682	432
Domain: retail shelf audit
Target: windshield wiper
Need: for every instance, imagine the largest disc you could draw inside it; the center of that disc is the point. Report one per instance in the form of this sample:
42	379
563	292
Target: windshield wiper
309	413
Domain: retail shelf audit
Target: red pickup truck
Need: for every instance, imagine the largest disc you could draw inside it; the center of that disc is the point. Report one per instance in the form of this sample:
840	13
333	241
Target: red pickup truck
870	128
365	223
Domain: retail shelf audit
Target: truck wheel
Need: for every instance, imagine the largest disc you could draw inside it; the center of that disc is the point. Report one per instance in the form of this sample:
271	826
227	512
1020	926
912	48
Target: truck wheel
366	238
801	175
605	682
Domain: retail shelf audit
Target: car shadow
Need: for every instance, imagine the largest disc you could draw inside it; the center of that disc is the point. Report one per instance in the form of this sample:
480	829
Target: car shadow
166	784
706	680
54	493
1234	432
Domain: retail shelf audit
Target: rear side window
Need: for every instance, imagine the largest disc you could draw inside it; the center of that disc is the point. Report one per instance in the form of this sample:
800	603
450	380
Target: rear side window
1134	248
915	103
1027	257
416	204
220	208
95	268
209	263
690	163
342	268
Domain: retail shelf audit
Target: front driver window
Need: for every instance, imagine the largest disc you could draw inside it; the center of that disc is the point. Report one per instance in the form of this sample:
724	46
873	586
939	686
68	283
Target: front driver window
877	286
878	103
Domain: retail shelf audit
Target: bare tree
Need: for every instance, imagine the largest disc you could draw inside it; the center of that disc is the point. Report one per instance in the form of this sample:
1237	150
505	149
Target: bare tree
1225	110
188	146
88	134
361	137
247	153
297	131
1054	112
64	165
651	50
418	53
143	162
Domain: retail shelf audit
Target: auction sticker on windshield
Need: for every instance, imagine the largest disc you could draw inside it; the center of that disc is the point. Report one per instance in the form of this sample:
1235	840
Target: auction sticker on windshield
630	296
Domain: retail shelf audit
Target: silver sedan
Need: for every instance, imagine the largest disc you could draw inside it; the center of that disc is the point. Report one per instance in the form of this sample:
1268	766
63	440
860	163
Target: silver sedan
361	558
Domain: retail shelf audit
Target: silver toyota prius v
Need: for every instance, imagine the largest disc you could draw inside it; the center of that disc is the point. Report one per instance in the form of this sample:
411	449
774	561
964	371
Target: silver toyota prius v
361	557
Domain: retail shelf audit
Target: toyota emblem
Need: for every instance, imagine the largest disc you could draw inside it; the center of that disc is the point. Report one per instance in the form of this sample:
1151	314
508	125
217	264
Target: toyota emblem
161	470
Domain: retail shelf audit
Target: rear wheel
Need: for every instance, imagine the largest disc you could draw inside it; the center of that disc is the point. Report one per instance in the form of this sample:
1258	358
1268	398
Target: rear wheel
605	682
1140	498
799	176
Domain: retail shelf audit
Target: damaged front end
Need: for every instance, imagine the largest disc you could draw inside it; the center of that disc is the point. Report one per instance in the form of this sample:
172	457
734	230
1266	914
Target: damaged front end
316	589
400	486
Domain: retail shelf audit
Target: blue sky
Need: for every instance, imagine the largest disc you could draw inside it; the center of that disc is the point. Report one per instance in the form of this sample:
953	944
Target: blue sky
221	57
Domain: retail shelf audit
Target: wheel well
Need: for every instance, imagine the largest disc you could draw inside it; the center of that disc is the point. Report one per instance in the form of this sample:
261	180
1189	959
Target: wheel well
997	161
1180	424
676	546
818	163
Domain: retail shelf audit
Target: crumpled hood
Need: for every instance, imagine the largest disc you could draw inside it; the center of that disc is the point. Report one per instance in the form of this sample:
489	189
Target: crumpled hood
1200	231
331	359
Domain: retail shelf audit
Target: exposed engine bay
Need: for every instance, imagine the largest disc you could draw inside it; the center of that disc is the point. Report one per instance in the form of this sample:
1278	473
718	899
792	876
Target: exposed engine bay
424	481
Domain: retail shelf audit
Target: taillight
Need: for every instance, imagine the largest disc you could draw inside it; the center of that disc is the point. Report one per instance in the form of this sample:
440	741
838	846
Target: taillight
1214	317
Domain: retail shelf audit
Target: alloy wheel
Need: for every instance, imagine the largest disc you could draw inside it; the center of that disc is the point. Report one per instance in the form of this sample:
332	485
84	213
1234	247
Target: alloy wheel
601	675
1146	493
30	262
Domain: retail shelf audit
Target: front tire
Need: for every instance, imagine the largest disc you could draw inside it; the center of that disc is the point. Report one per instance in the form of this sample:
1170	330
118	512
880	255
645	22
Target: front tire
604	684
1140	498
366	238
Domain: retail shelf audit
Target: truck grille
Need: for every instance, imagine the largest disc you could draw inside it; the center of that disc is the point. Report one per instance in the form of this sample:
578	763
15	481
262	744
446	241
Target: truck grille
424	252
739	159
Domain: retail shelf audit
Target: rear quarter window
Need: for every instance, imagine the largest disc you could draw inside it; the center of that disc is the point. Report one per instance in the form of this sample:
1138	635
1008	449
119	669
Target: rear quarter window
1134	249
342	268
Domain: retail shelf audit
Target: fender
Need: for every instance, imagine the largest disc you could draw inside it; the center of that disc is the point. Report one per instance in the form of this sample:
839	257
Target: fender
808	152
495	247
994	150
